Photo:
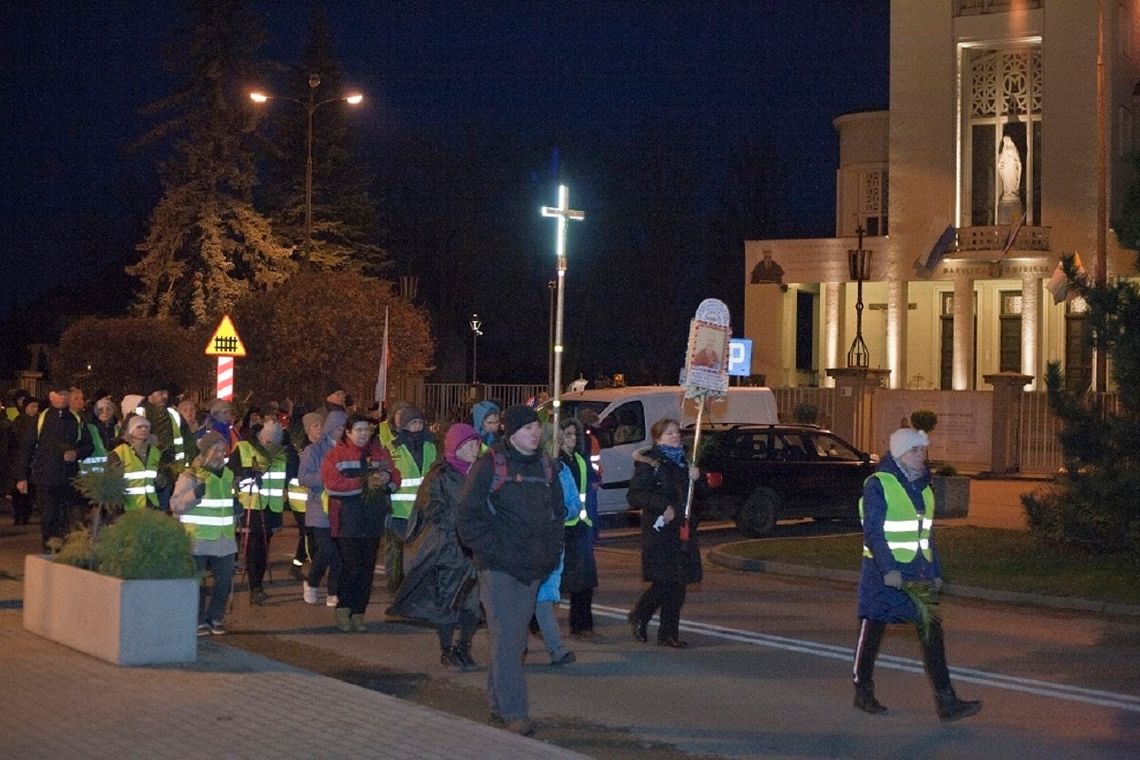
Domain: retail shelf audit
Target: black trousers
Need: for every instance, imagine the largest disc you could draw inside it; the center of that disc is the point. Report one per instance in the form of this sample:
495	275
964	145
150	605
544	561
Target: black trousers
358	564
304	540
56	503
933	652
23	504
581	612
325	557
255	543
669	596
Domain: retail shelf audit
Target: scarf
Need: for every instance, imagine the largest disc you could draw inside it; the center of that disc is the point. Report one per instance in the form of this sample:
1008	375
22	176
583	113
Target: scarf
675	454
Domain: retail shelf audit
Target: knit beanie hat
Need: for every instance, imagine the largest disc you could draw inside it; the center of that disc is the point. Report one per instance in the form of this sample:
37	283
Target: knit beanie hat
905	439
406	414
209	440
312	418
134	422
517	416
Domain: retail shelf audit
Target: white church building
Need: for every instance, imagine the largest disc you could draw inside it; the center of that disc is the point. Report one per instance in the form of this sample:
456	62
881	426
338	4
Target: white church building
992	130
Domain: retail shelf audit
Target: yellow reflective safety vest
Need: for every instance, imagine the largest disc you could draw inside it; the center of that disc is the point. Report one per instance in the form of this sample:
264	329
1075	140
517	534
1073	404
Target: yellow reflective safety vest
580	481
140	475
298	495
410	477
271	493
907	532
97	462
212	517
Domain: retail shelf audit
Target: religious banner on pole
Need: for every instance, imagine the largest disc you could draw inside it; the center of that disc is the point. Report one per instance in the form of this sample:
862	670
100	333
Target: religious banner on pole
706	359
706	372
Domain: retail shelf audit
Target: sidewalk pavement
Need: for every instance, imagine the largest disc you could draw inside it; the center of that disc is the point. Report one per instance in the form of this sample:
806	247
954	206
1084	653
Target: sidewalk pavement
60	703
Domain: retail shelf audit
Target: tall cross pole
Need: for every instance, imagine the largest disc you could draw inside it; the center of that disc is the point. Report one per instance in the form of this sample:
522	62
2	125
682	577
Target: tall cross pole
562	212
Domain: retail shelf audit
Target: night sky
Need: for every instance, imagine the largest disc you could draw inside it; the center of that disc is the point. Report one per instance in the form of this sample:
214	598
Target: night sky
76	74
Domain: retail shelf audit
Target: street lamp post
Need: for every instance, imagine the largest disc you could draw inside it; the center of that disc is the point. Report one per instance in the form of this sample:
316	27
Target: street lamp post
859	262
310	107
475	333
551	286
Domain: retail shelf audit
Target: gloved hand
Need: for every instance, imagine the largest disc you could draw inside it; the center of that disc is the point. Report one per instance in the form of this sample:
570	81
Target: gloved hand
937	584
200	491
893	579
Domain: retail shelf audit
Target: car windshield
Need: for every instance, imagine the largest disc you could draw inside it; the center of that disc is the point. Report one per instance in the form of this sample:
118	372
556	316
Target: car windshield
575	407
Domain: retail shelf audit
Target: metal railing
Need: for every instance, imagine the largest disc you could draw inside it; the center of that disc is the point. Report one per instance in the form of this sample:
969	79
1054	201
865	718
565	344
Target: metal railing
978	7
449	402
823	399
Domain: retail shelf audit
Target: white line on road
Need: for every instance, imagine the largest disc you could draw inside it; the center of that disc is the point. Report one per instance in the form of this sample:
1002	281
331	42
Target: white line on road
969	675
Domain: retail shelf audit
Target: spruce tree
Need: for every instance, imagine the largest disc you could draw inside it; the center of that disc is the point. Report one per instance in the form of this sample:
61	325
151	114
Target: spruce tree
1093	503
344	214
207	245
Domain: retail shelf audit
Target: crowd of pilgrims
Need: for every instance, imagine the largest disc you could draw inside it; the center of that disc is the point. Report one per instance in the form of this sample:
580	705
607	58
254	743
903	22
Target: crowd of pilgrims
354	481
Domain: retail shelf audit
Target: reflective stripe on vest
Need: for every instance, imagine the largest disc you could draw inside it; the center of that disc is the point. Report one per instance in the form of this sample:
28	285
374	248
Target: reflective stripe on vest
139	476
178	444
271	493
582	516
298	496
410	477
907	532
212	517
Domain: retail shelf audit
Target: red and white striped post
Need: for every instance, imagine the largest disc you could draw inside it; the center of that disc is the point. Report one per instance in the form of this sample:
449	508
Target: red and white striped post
225	386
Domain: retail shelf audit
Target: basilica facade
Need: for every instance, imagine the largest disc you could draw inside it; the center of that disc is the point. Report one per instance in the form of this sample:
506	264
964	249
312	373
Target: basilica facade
964	196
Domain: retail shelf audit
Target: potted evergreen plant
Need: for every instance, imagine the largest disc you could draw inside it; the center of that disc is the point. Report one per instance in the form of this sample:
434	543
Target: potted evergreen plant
951	490
126	593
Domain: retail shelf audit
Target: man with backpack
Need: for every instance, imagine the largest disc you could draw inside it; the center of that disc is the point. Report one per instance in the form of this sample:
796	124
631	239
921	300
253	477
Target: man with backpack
510	516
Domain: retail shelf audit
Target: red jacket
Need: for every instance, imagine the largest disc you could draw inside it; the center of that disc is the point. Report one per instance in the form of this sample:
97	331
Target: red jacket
343	473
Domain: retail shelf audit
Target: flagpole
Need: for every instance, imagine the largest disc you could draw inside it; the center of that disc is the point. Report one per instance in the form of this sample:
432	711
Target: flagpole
381	392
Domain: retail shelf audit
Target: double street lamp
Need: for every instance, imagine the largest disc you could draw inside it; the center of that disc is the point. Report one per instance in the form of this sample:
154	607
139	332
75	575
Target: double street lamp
310	107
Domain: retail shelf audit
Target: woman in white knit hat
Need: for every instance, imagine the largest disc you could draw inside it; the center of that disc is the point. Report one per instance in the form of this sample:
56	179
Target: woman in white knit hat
897	510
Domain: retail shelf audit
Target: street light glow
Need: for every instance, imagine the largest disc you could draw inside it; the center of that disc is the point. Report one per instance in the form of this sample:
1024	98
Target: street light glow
258	97
354	99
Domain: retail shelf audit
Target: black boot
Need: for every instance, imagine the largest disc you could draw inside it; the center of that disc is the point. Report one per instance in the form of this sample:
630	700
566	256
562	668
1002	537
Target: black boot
951	708
462	653
448	659
865	698
640	628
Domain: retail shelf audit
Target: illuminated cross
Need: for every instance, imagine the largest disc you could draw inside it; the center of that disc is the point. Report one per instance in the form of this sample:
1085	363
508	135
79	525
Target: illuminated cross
563	212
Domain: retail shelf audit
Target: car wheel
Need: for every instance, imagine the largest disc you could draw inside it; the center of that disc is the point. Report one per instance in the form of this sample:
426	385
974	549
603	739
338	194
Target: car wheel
757	515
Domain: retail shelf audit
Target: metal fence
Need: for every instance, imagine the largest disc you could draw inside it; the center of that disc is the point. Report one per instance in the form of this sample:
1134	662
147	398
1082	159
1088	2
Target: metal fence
1040	451
448	402
823	399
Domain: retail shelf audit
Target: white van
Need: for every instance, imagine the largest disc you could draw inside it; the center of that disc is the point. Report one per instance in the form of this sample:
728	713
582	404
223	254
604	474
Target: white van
625	416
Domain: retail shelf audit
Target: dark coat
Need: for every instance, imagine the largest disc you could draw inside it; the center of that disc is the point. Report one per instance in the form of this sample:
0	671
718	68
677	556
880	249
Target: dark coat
579	570
518	528
658	484
439	572
877	601
43	447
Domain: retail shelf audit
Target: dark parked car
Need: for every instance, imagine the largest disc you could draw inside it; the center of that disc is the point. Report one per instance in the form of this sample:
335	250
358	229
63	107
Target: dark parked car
758	474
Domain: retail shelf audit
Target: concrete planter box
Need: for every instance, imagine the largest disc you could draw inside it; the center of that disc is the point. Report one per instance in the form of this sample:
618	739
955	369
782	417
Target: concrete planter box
951	495
124	622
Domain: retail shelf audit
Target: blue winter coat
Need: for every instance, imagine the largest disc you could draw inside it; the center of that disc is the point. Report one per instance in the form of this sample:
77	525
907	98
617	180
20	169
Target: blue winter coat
877	601
549	590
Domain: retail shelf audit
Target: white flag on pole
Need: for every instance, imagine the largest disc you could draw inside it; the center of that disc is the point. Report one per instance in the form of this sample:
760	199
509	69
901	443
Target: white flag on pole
382	374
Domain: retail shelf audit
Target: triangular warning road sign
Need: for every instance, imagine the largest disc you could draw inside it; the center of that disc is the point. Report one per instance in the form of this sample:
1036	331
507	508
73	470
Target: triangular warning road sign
225	341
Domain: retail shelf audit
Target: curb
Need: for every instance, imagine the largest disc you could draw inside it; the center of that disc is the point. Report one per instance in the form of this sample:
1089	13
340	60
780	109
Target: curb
950	589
